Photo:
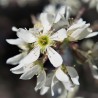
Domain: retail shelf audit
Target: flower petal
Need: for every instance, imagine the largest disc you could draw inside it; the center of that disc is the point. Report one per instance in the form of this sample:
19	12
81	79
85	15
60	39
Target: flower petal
92	35
41	79
17	67
72	71
80	33
32	56
18	71
59	35
14	29
26	35
76	80
44	90
30	73
53	83
15	59
60	13
17	41
44	20
61	76
80	23
47	85
54	57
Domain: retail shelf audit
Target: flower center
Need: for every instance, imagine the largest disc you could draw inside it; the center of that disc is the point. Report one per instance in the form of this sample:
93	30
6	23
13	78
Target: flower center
43	41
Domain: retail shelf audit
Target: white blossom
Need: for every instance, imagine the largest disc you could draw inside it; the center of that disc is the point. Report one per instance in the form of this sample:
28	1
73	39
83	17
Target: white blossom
42	42
40	39
60	76
30	70
78	30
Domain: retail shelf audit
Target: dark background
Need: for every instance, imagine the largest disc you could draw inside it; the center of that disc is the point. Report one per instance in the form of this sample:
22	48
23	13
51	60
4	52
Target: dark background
10	85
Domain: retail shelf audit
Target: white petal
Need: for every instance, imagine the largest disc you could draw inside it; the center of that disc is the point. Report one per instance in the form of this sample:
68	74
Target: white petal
26	35
15	59
58	17
30	73
68	12
59	35
47	85
61	76
17	41
80	33
75	80
45	22
19	71
72	71
80	23
32	56
44	90
41	79
54	81
14	29
54	57
62	10
92	35
60	13
17	67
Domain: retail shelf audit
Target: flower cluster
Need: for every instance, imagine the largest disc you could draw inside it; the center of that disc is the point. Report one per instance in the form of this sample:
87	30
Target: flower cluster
52	30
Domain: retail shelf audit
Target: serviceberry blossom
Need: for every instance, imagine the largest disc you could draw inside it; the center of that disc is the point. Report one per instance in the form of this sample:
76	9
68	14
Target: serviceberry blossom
53	35
39	40
62	74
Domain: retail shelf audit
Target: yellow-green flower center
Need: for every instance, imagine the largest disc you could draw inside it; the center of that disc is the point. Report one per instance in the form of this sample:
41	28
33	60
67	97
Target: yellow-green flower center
43	41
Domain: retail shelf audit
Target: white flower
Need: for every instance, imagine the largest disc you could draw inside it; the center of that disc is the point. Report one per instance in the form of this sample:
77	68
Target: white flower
60	76
63	77
28	71
78	30
42	41
32	42
22	45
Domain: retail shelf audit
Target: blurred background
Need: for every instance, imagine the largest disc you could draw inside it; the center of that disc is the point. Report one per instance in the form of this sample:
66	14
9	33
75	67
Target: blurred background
17	13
